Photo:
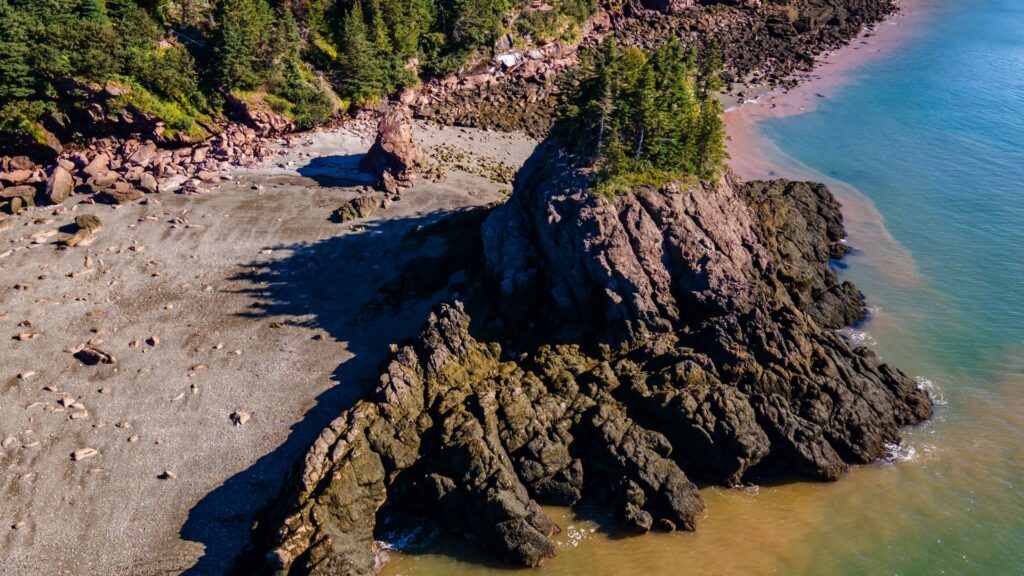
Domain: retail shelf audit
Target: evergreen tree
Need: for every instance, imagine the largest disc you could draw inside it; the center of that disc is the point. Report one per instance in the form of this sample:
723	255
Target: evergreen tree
17	81
242	51
364	74
94	10
379	31
636	113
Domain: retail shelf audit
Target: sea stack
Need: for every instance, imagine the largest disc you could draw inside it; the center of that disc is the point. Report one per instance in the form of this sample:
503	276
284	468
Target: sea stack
671	334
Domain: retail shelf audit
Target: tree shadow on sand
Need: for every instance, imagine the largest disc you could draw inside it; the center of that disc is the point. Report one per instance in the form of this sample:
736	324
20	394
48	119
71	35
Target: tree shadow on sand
355	287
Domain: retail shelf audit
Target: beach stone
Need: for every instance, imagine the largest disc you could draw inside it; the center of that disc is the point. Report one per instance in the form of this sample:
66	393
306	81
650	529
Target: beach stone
17	177
60	185
148	183
122	195
83	453
92	356
102	181
358	208
17	198
98	166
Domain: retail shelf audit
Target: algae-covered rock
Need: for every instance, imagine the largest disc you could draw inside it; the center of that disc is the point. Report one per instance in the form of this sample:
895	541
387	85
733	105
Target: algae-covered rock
666	335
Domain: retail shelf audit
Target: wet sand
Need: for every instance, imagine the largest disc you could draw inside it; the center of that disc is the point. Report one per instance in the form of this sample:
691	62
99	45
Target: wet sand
248	299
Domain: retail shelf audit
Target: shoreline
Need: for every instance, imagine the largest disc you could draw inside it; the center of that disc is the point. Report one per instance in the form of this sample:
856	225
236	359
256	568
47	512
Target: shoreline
753	156
832	72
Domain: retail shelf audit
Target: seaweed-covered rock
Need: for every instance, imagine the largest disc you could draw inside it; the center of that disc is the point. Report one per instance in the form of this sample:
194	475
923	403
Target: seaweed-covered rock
666	334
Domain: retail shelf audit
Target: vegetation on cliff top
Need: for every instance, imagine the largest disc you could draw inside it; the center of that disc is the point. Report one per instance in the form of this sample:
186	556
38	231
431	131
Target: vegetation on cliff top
645	117
185	53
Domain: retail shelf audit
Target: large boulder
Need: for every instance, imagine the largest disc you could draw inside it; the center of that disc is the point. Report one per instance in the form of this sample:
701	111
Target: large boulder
17	198
60	185
395	156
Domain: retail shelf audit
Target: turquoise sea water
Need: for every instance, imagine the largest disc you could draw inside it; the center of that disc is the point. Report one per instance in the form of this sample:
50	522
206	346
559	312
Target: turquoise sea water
932	136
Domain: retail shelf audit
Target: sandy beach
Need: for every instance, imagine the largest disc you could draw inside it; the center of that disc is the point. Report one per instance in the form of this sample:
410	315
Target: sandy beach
754	157
242	321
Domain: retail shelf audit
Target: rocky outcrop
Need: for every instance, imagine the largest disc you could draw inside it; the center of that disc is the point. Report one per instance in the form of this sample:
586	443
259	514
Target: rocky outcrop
258	115
636	344
124	170
395	156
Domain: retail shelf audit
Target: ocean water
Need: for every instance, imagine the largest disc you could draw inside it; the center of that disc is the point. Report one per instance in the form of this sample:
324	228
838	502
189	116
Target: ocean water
926	148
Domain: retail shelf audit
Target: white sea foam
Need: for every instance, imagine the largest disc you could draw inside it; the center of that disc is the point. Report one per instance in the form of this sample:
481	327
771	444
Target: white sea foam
575	535
934	392
906	452
858	337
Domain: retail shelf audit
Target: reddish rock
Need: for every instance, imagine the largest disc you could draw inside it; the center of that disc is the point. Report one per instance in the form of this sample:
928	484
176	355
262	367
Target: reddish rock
395	155
60	185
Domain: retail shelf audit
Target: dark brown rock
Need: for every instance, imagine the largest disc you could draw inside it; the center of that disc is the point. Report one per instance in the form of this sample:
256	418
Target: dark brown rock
704	316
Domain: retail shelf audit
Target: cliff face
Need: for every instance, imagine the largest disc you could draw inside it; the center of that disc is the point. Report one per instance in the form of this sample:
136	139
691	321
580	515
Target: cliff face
671	335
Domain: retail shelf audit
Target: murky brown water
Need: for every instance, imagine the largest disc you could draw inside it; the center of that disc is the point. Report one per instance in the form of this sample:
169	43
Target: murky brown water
948	311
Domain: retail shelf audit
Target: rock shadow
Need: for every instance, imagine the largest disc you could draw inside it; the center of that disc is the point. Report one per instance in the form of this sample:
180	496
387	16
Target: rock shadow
350	286
340	170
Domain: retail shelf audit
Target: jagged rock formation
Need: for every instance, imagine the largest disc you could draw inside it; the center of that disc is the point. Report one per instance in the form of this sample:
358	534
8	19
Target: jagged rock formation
395	155
674	334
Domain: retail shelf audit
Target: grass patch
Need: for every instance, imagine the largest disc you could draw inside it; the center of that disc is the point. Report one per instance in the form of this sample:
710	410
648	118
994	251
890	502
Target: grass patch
179	119
610	186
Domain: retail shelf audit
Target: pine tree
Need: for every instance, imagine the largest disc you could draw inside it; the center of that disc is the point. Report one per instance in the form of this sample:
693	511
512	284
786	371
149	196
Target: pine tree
94	10
654	114
17	81
379	31
243	55
364	74
711	153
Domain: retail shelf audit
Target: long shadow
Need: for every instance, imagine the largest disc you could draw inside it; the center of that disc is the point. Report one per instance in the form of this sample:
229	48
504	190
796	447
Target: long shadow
335	285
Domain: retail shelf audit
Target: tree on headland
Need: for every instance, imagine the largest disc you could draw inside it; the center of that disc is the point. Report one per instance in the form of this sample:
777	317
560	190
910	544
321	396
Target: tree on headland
645	116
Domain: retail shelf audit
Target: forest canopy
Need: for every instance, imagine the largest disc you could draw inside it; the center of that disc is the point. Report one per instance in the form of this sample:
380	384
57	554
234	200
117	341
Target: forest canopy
180	57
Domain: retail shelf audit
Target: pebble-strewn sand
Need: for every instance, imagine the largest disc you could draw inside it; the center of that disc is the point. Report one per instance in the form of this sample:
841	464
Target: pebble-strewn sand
244	300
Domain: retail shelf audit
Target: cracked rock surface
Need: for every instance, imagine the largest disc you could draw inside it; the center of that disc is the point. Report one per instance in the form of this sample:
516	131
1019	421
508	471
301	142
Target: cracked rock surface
636	345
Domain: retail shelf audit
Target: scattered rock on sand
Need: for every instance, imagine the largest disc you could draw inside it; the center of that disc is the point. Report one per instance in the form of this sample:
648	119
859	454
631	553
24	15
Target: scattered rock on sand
89	226
357	208
83	453
238	417
91	356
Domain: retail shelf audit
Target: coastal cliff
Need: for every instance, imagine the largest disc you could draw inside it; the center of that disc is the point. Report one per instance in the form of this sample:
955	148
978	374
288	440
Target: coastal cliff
627	348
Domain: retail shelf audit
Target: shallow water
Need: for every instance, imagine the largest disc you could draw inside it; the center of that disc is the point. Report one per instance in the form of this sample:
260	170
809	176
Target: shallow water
932	136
